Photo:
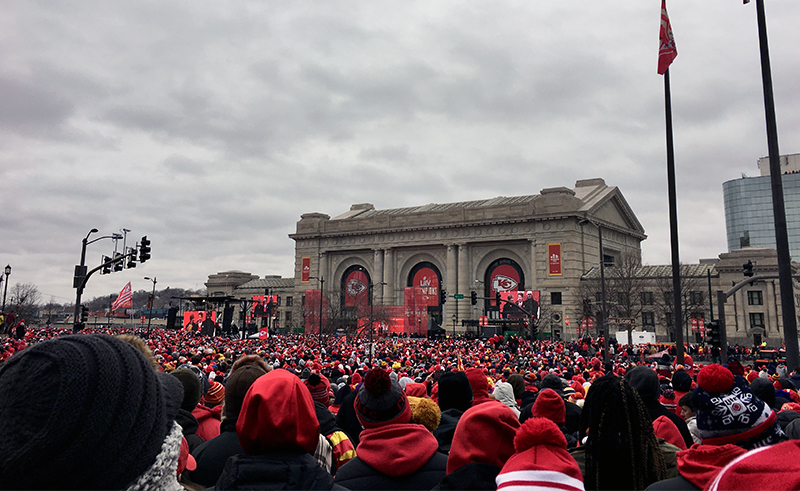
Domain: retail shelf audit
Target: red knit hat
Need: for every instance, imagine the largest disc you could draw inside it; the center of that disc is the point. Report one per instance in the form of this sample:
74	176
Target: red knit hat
484	434
549	405
320	388
666	429
772	467
215	393
542	461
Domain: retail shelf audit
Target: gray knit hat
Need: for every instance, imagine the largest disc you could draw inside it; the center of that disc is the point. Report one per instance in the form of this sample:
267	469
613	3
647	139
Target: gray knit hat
84	411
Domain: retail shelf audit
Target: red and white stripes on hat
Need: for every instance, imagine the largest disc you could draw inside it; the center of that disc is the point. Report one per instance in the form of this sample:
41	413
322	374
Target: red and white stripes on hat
541	461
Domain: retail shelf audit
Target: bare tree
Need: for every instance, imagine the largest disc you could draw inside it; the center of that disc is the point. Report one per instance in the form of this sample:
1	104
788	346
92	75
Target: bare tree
24	299
692	300
625	282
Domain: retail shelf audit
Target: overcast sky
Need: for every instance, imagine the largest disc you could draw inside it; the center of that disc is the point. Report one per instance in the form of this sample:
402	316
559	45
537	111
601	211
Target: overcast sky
212	126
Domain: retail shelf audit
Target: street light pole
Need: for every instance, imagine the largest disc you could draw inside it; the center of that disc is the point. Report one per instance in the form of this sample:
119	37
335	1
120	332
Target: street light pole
603	327
7	272
152	301
80	273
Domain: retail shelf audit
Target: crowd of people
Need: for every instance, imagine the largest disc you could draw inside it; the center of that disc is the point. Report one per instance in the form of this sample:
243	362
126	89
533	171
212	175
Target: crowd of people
132	409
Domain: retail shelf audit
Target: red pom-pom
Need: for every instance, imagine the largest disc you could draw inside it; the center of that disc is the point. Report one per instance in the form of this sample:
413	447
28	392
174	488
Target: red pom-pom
715	378
538	431
377	381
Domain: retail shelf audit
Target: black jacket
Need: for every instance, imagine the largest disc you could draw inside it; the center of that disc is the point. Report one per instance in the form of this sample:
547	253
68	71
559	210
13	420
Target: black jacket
447	428
189	426
347	420
474	476
356	475
212	455
275	470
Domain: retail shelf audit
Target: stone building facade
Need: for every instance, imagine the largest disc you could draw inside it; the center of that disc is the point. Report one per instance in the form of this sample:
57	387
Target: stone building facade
536	241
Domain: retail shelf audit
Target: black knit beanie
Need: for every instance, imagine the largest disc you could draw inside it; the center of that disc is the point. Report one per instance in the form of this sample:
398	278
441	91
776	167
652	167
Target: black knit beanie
381	401
82	412
455	392
191	387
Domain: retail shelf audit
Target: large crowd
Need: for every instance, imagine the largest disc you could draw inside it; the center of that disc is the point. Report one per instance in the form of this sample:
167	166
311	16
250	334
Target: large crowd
138	409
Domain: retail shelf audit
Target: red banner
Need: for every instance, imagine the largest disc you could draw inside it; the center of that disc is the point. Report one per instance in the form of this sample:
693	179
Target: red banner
554	259
312	309
305	273
694	324
427	281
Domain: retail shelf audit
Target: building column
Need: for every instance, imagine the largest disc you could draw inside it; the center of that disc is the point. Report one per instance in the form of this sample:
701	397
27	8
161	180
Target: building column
534	277
464	283
377	267
389	297
451	285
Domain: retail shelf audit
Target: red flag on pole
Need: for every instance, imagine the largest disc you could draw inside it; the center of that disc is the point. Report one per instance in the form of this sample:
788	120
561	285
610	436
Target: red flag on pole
667	50
124	299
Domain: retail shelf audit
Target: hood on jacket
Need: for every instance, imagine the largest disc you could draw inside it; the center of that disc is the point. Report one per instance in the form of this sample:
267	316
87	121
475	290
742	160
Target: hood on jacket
666	429
504	392
479	384
484	434
397	449
645	381
278	414
701	463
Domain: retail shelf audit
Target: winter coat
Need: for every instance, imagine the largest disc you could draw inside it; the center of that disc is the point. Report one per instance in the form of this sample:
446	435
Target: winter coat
447	428
476	475
698	466
189	427
275	470
212	455
395	456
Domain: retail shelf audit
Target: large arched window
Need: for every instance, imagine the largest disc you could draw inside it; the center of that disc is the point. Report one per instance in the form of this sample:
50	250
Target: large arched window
426	276
502	276
355	287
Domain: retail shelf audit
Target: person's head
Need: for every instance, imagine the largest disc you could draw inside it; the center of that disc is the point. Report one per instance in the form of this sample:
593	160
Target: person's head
380	401
645	381
484	434
239	382
87	412
729	412
455	392
687	408
278	414
191	387
621	449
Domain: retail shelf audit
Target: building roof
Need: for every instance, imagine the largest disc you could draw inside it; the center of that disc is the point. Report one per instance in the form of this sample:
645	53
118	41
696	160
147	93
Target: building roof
660	271
268	282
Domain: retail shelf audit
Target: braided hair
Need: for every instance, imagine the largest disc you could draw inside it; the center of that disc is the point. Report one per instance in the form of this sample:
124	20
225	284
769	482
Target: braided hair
622	451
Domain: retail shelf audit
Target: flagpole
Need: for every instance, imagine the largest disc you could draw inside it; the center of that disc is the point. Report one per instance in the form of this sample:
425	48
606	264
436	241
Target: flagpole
673	225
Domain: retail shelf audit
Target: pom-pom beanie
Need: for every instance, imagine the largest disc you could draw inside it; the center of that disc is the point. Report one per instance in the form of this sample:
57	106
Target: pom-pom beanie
320	388
728	412
84	411
381	401
215	394
541	460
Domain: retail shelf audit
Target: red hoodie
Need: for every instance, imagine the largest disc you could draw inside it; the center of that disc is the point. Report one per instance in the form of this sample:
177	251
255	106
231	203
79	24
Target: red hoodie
701	463
208	422
278	414
397	449
480	386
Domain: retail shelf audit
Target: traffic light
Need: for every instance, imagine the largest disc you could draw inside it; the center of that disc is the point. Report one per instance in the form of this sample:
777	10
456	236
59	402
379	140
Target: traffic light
118	263
442	296
474	298
131	258
748	268
84	314
712	331
106	262
144	250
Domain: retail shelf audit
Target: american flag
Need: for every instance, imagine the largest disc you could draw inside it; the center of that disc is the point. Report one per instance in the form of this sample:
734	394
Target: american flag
124	299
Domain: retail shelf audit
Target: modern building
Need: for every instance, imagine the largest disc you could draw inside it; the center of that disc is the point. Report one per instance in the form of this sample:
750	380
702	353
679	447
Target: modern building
540	243
749	220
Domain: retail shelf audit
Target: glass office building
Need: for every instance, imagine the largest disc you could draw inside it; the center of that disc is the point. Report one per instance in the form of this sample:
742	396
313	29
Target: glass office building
748	212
